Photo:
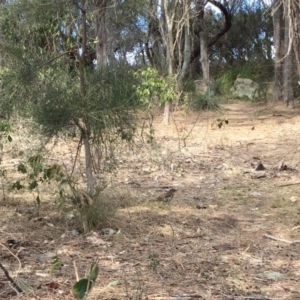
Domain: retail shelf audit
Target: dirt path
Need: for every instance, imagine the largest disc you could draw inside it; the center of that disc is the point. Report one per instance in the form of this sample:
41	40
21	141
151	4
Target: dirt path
218	239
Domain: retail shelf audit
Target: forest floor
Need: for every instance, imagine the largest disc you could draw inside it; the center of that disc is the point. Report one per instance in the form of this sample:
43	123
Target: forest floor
232	230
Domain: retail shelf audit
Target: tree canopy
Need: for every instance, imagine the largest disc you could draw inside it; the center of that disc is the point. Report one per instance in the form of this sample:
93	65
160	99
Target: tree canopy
74	64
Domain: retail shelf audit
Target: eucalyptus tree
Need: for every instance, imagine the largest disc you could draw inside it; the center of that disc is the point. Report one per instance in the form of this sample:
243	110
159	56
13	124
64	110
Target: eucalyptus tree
292	25
235	48
295	30
55	67
283	89
178	35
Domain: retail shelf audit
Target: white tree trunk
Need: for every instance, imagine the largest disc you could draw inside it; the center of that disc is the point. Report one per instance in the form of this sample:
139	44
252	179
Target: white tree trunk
88	164
186	53
166	113
278	42
288	94
100	25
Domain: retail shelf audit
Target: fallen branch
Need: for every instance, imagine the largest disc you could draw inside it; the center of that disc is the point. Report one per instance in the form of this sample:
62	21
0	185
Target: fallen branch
251	297
288	184
14	284
281	240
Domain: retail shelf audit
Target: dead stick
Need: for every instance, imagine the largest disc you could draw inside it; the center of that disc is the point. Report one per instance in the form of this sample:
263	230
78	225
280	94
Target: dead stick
10	279
281	240
288	184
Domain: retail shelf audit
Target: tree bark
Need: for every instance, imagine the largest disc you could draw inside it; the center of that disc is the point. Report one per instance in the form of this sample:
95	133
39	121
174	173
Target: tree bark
296	34
204	52
84	124
88	163
288	94
278	24
166	26
100	25
226	26
186	49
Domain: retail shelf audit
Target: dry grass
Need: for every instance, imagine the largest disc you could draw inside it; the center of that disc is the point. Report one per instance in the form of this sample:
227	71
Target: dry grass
209	243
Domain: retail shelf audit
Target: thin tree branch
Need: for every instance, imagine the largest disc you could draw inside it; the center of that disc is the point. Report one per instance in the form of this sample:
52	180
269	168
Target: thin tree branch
223	30
14	284
226	25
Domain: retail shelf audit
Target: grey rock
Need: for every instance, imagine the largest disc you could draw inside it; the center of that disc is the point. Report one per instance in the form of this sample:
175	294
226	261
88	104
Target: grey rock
245	88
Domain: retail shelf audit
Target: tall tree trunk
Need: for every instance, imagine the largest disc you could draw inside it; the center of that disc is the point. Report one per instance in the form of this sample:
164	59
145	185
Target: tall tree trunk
204	40
288	94
100	25
278	24
204	57
90	181
166	25
186	49
84	124
296	34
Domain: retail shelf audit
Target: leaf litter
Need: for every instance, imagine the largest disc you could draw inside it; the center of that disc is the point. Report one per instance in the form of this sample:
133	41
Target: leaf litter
227	233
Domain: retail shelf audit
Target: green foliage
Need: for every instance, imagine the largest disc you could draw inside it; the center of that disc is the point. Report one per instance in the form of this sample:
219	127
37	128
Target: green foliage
37	25
56	265
108	106
203	102
235	49
17	185
89	211
153	85
221	122
82	287
5	137
189	85
38	173
225	81
254	71
153	261
5	130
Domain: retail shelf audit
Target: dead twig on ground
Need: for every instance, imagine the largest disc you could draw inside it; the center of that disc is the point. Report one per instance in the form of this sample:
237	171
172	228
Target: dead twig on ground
288	184
251	297
281	240
14	284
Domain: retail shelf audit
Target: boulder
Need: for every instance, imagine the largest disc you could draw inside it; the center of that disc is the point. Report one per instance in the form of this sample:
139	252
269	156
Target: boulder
245	88
266	90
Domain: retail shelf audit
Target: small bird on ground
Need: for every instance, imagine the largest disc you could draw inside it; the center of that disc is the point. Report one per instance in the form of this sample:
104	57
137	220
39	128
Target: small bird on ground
168	196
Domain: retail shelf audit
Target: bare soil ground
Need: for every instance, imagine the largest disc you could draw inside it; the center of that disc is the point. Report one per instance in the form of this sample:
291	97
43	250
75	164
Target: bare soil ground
230	232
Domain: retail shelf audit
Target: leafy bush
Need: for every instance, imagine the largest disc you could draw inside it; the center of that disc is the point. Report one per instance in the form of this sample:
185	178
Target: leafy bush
86	212
152	85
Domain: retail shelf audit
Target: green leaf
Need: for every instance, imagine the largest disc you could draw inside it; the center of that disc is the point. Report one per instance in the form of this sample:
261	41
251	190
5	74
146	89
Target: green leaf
94	272
80	288
113	283
17	185
56	265
32	185
63	184
35	162
22	168
48	173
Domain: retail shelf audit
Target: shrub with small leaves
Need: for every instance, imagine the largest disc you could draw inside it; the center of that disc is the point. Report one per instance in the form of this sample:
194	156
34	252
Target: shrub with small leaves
38	173
153	261
154	85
